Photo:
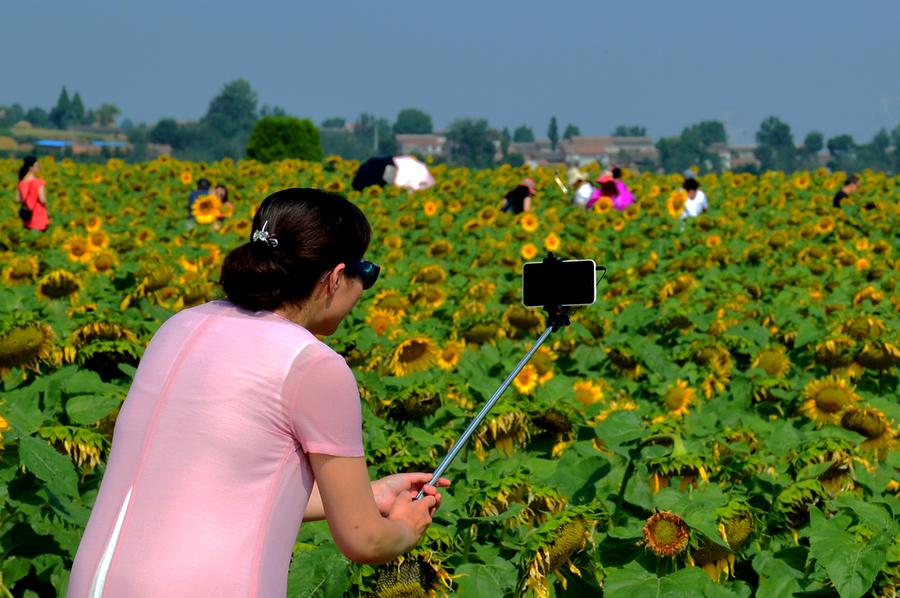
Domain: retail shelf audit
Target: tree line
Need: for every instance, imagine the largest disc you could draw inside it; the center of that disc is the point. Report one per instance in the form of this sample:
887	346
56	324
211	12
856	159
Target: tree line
235	126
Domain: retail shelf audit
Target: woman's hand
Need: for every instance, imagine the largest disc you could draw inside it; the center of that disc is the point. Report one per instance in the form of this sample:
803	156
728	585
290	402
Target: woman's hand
388	488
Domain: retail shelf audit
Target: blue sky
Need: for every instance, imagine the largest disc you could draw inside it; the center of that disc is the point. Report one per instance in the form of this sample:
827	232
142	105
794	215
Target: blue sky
825	65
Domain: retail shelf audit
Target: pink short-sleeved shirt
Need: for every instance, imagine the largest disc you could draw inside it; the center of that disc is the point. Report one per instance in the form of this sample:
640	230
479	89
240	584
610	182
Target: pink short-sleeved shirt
208	477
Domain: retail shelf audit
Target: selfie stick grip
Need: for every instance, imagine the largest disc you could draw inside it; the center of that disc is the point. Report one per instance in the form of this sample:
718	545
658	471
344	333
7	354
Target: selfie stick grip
483	413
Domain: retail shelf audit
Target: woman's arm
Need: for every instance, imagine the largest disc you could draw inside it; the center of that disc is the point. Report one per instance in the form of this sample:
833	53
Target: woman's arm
385	492
359	529
526	204
42	195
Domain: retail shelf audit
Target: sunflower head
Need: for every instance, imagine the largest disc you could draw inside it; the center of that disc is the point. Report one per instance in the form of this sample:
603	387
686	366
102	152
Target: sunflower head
678	397
878	355
57	284
206	209
773	360
665	534
414	355
553	545
26	346
21	270
410	576
827	398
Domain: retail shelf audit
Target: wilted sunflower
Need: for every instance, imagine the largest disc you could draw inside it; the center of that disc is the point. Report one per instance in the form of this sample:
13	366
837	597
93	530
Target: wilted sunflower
665	534
21	270
206	209
523	321
488	214
553	545
84	446
827	398
878	355
440	248
773	360
414	355
503	431
482	290
57	284
678	397
430	274
625	362
632	212
411	576
104	261
26	347
874	425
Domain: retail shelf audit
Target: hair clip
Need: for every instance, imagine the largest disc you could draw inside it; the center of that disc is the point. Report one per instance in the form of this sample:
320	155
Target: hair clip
264	236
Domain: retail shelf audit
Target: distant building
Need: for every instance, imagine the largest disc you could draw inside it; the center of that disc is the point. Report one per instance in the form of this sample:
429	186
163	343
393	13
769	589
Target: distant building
432	144
538	152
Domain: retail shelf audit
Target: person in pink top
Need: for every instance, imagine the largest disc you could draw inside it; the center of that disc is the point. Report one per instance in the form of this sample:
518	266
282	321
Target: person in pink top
30	194
240	424
625	197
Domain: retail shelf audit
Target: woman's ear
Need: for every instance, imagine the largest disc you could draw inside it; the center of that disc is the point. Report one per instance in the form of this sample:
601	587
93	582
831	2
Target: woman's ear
334	278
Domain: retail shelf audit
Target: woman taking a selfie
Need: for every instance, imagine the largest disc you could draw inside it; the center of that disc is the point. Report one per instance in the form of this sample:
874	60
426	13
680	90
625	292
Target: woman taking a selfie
240	424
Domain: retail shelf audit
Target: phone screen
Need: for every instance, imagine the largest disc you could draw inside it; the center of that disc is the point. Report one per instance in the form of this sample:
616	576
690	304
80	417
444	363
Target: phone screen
570	282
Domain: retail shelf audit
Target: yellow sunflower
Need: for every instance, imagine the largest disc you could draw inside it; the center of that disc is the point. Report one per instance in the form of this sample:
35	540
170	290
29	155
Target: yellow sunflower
449	354
678	397
587	392
78	249
440	248
827	398
98	240
206	209
527	379
104	261
186	177
552	242
603	205
529	251
528	222
381	320
414	355
93	223
618	224
675	203
430	208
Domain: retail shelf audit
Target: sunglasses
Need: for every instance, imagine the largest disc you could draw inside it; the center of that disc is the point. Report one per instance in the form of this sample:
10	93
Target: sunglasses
365	271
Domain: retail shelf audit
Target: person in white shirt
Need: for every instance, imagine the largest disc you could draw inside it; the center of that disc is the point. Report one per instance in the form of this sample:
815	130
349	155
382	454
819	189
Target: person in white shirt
578	182
696	201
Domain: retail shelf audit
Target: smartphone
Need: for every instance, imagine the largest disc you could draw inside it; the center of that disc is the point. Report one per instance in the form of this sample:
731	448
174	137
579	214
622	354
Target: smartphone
566	282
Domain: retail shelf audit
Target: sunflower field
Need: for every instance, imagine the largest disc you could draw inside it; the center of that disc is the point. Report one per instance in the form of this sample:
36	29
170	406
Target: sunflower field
722	422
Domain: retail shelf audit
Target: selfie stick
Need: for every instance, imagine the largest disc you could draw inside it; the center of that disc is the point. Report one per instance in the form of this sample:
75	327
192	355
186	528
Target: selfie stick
558	317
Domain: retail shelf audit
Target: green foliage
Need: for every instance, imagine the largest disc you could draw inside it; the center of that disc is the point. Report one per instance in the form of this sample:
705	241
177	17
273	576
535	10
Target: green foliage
470	143
571	131
692	147
553	133
523	134
775	145
413	120
629	131
279	137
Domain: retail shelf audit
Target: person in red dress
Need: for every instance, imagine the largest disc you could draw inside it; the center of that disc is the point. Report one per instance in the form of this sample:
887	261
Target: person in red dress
31	193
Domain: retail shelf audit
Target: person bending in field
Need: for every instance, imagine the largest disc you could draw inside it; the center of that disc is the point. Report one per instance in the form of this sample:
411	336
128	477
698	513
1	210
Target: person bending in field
240	424
518	199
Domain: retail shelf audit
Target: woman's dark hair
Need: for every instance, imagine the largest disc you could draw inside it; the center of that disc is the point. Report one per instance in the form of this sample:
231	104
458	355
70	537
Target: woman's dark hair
690	185
609	189
315	231
617	173
27	163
